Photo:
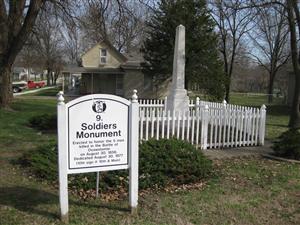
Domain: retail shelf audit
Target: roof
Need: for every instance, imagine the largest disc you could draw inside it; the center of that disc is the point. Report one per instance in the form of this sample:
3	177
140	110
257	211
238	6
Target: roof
76	69
18	69
134	60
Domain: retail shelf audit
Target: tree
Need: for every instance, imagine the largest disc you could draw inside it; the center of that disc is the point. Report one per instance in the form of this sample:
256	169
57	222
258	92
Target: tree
16	21
72	43
232	24
293	13
17	18
293	16
48	42
202	64
120	22
270	37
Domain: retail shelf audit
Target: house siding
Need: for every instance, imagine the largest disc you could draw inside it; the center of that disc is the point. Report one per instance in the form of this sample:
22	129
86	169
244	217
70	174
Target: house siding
98	83
134	79
92	58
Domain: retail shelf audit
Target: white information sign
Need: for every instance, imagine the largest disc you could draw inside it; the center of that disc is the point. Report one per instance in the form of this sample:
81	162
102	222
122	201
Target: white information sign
97	135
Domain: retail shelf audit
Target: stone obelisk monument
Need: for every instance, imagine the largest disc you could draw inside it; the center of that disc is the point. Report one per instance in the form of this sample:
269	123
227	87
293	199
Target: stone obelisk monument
177	99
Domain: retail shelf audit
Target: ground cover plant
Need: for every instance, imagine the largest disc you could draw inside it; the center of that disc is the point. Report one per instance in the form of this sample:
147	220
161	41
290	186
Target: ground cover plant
288	144
161	163
44	122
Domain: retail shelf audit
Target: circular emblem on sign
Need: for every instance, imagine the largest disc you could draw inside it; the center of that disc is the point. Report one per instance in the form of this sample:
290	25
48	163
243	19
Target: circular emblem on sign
99	106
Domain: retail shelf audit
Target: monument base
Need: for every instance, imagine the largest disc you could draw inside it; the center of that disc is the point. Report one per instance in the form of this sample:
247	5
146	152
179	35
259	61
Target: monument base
178	100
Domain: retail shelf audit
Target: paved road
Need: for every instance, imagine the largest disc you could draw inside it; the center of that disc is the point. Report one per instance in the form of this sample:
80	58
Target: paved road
32	91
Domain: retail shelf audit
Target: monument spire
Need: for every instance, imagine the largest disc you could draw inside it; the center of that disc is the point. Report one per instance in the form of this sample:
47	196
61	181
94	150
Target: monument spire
177	98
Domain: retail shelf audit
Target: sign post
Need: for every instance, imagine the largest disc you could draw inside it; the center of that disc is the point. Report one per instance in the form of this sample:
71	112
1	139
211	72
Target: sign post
134	154
97	133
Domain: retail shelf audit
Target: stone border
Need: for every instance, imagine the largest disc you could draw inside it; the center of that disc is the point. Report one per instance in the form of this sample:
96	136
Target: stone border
280	158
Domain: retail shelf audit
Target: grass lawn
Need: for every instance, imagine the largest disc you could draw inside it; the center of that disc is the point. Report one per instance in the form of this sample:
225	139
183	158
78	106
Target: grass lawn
242	191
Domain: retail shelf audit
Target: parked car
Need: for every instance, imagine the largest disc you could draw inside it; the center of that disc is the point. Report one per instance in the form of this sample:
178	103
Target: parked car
35	84
18	86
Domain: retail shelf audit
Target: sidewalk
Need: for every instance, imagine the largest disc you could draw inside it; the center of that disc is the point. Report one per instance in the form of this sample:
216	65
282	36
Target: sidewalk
33	91
228	153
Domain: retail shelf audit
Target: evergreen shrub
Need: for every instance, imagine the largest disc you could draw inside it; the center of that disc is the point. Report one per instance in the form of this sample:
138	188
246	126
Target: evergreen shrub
44	122
288	145
161	162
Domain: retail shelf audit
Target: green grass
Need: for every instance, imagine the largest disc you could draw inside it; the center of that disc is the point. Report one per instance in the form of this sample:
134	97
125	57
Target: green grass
15	135
45	92
252	191
243	191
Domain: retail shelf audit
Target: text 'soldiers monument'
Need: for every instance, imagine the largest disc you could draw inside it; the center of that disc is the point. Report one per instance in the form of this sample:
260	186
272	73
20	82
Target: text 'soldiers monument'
177	98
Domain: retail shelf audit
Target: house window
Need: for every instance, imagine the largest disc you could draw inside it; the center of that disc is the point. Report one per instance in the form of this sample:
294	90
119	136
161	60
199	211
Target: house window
103	56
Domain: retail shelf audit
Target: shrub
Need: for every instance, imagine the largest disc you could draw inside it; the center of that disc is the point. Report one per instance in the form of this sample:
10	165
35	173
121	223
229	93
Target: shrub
161	162
44	122
43	161
288	144
171	161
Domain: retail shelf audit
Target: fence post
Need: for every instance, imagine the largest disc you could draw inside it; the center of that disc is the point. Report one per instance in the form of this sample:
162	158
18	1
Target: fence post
204	127
262	125
197	105
224	121
165	103
134	153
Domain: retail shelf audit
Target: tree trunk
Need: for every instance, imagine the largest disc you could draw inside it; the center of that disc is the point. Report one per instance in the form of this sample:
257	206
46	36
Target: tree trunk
295	110
227	90
48	77
295	113
270	88
6	86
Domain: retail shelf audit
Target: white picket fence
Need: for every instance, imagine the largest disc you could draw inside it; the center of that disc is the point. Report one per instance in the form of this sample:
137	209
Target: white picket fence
204	124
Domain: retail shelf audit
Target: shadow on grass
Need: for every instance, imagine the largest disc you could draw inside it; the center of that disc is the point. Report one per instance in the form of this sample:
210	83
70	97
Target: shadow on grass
277	125
27	199
109	206
278	110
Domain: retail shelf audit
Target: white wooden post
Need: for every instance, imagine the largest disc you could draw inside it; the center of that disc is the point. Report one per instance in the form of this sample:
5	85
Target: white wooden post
197	105
204	127
224	122
134	153
165	103
62	158
262	125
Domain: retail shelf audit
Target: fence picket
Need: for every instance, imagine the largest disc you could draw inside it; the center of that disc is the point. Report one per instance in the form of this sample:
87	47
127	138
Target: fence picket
152	123
173	124
193	126
157	123
163	115
168	124
178	124
188	126
183	125
141	124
